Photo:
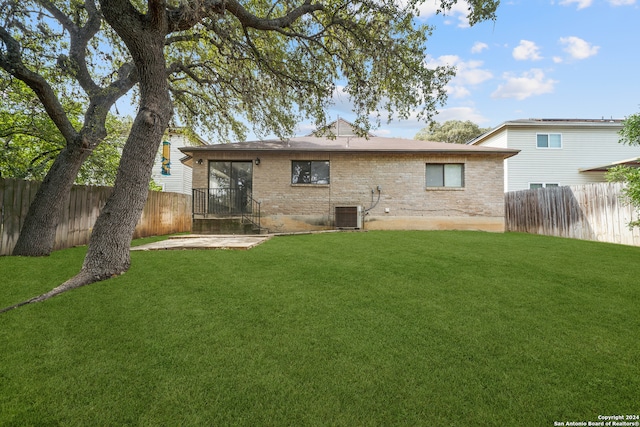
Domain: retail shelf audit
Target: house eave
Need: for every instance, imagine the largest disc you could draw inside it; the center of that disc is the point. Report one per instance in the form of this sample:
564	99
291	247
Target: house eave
375	145
549	123
633	162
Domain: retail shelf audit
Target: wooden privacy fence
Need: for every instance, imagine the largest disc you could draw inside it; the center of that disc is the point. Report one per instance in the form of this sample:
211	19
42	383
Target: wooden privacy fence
587	212
164	213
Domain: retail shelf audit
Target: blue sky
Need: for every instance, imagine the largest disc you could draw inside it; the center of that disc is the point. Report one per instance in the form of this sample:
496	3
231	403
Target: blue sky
539	59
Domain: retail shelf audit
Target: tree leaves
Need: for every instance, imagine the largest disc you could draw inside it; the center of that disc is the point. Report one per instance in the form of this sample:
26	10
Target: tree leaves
259	63
451	131
30	141
629	134
273	63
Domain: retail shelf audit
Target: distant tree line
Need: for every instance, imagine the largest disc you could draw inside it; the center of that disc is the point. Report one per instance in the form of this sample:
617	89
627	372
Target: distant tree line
451	131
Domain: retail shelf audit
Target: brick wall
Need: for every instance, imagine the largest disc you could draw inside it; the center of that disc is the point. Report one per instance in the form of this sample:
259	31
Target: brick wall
404	203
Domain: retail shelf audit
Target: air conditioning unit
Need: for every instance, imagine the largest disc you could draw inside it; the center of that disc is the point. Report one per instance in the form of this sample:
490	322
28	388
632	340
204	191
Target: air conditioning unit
348	217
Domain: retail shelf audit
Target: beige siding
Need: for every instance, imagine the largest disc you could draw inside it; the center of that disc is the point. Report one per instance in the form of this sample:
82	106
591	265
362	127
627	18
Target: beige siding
501	140
580	149
584	145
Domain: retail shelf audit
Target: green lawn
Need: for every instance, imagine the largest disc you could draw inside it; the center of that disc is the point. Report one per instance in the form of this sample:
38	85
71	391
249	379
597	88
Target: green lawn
339	329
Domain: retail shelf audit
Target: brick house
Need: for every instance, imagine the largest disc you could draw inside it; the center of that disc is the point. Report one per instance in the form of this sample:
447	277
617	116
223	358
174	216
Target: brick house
316	183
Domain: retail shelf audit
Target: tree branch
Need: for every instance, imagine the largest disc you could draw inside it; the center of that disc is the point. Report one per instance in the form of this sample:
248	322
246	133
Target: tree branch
59	16
157	14
79	37
11	62
190	13
249	20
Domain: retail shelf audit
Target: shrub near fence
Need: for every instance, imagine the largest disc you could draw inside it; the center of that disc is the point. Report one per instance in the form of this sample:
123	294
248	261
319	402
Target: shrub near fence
586	212
164	213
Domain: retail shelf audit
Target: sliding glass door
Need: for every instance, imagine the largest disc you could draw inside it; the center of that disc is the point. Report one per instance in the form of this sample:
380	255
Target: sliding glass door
230	185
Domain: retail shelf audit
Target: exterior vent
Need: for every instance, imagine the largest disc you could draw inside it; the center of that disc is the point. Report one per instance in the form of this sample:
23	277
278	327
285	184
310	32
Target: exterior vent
348	217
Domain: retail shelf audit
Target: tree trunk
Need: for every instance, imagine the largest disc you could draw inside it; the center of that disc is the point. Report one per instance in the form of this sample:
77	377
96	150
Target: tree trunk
108	251
38	233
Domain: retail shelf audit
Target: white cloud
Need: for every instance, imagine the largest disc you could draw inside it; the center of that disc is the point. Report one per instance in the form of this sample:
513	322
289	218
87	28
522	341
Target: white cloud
467	72
427	10
461	113
479	47
622	2
581	3
455	91
341	101
305	128
530	83
444	60
578	48
470	73
527	50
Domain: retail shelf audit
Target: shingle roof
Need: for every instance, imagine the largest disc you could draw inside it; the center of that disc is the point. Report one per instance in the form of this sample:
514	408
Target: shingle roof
633	162
351	144
566	121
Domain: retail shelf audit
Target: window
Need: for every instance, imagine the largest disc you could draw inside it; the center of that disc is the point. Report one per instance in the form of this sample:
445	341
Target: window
445	175
310	172
549	140
534	185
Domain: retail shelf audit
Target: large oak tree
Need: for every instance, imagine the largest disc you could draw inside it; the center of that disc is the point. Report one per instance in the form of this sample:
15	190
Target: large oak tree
55	48
221	63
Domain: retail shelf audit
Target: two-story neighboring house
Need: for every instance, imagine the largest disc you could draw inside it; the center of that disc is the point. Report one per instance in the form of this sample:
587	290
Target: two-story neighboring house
168	170
556	152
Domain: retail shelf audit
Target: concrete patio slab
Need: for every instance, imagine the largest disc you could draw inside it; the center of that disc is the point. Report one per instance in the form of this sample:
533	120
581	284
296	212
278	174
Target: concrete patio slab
204	241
